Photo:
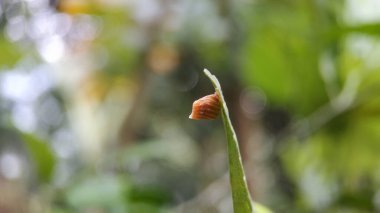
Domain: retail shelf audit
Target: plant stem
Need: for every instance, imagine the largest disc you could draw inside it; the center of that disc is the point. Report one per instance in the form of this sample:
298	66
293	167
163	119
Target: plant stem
242	201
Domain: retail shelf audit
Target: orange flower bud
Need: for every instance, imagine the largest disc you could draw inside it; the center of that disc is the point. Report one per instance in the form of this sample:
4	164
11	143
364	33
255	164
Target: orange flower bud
206	108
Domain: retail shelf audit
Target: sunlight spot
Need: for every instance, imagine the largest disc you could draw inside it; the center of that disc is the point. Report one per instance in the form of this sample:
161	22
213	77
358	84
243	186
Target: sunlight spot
52	49
10	165
146	11
63	143
359	12
15	86
24	118
15	28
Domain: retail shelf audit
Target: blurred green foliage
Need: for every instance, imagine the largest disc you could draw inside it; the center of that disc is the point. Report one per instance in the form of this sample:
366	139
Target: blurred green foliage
41	154
95	95
281	56
9	54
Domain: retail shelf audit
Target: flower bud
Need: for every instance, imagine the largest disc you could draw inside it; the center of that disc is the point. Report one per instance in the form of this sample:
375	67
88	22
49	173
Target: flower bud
206	108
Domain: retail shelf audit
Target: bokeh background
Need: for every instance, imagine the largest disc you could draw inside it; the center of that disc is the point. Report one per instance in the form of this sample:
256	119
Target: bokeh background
95	97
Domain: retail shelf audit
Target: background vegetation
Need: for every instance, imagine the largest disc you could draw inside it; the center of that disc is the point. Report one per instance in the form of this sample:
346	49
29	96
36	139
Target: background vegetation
95	97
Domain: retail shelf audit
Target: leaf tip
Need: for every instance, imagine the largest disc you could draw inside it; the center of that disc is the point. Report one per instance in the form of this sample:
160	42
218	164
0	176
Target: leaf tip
206	71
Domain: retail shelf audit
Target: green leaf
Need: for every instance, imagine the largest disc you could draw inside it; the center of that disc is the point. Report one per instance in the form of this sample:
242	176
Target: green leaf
242	201
9	54
41	155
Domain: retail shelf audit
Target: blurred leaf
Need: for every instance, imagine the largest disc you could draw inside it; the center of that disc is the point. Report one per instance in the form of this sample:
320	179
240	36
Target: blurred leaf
9	54
282	58
106	192
181	151
42	156
149	194
345	153
369	29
